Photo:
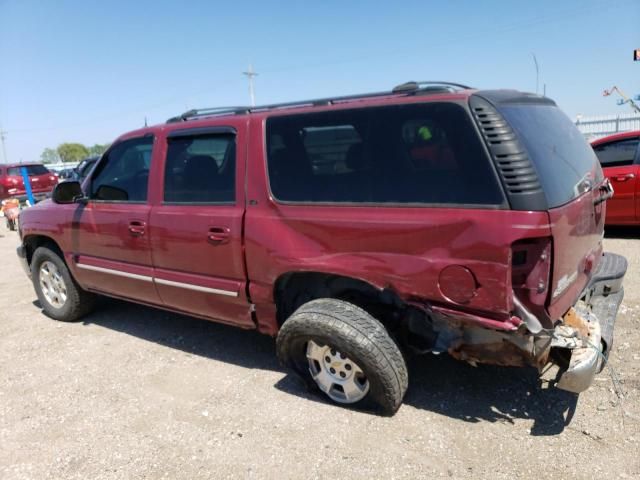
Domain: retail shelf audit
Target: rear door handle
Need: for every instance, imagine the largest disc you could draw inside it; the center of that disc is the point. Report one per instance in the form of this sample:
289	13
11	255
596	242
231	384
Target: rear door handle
218	235
136	228
624	178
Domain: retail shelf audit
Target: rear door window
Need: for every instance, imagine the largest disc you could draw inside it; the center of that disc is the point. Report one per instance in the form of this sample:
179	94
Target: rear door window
200	169
401	154
617	154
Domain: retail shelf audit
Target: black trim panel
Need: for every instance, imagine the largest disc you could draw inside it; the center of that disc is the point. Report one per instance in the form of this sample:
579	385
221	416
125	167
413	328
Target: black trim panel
192	132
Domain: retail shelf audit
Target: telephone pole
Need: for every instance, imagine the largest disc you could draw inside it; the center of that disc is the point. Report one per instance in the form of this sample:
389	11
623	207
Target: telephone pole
4	148
250	74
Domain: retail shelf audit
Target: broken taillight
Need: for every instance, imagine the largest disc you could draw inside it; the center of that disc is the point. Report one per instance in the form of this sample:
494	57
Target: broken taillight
531	273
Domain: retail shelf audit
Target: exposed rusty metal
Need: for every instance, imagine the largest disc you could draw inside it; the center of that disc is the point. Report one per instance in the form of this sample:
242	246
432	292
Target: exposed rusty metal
500	353
572	319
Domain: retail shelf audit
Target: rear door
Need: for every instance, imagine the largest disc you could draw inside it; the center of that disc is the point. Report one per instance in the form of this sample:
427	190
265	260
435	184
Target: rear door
619	160
196	228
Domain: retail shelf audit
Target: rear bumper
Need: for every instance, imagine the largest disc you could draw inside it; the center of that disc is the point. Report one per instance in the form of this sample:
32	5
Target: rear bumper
590	338
22	256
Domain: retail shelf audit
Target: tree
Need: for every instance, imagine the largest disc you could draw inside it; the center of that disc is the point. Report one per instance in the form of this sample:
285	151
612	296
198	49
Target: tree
50	155
98	149
72	152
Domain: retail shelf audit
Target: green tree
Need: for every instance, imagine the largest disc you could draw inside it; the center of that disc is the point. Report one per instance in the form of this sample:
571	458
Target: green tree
49	155
72	152
98	149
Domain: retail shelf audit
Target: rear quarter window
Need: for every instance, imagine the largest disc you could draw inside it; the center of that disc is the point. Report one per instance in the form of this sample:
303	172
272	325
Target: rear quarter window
400	154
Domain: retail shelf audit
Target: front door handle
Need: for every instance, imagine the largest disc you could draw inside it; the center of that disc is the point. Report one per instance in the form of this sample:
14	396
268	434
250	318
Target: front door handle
218	235
624	178
136	228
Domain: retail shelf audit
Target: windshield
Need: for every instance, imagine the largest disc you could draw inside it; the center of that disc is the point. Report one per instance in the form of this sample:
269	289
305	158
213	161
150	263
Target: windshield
566	164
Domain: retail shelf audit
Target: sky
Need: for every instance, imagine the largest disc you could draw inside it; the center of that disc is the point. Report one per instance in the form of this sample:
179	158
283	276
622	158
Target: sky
88	71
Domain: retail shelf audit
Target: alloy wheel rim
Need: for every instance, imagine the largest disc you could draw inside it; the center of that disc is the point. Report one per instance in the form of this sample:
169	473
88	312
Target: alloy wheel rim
53	287
336	374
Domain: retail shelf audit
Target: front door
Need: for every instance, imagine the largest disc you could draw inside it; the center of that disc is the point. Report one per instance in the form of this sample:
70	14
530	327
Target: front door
196	228
110	237
619	163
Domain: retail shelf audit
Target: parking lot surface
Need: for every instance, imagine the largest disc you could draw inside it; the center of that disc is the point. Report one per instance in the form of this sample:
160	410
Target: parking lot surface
135	392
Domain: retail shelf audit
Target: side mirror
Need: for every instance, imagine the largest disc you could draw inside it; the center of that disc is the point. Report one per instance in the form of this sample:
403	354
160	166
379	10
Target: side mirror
67	192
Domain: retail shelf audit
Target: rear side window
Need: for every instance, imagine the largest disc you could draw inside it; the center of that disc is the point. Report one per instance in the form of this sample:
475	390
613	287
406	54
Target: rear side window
32	170
401	154
200	169
123	175
617	154
566	164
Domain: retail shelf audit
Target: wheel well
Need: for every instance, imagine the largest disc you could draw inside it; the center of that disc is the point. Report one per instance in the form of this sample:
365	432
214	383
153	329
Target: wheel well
33	242
296	288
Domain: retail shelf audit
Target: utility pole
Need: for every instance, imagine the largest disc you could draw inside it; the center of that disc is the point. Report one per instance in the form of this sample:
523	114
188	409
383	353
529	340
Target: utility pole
4	148
250	74
535	61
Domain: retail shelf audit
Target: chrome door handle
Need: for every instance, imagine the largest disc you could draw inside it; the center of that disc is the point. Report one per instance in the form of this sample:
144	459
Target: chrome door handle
218	235
136	229
624	178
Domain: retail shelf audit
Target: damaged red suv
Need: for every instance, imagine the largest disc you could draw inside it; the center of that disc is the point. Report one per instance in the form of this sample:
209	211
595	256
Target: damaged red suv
430	218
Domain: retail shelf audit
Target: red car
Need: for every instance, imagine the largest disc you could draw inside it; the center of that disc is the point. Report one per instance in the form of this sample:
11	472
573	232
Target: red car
430	218
12	182
619	156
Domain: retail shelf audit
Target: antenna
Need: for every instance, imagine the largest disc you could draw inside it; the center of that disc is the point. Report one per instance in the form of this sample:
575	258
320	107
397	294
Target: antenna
535	61
250	74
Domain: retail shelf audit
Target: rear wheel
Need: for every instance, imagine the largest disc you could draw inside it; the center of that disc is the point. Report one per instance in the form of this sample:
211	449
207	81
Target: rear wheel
60	296
345	353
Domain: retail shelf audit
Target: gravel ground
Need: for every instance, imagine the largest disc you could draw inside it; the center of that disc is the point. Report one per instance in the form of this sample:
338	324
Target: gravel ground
134	392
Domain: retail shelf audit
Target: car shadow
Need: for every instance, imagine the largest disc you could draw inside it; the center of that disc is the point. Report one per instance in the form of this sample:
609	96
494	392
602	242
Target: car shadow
438	384
623	232
245	348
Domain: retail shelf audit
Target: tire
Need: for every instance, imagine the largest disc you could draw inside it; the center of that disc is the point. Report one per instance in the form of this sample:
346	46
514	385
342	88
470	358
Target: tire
346	335
51	278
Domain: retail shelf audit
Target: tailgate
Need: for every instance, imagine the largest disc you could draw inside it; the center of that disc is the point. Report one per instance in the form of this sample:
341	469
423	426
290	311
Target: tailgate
577	230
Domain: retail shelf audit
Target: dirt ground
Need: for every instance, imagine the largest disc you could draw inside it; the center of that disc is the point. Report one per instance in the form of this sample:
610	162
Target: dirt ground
134	392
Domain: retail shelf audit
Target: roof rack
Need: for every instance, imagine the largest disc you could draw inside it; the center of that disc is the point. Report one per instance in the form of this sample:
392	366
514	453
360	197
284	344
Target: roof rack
428	85
208	112
408	88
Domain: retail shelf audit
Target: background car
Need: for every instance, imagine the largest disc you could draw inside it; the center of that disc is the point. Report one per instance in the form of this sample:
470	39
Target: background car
620	159
84	168
12	184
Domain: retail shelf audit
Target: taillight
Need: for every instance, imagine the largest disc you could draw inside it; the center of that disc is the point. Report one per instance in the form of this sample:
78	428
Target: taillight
531	273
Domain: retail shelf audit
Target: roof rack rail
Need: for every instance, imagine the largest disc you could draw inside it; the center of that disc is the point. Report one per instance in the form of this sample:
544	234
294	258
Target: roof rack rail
208	112
407	88
414	87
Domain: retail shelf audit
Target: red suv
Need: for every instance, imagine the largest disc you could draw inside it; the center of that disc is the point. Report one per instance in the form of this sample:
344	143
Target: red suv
430	218
12	182
619	156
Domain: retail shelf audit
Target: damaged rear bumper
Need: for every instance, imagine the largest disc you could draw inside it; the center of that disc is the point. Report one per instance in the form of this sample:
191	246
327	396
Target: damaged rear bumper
587	330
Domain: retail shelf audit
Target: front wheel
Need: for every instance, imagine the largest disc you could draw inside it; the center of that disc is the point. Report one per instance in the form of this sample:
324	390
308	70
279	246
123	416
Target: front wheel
346	353
60	296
